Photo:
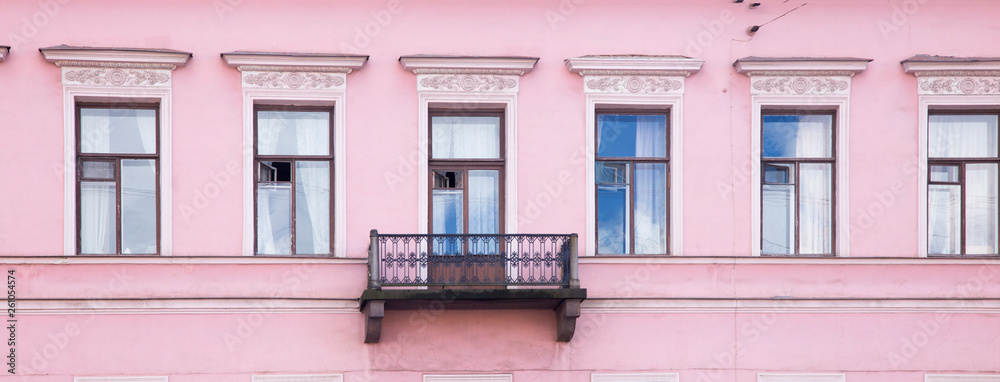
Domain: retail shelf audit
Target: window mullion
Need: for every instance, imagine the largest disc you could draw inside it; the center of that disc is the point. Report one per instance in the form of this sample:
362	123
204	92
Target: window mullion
118	206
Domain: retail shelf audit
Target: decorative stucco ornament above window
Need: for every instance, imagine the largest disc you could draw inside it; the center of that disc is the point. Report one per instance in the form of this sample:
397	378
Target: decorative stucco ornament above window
801	75
115	67
633	74
955	75
462	74
294	71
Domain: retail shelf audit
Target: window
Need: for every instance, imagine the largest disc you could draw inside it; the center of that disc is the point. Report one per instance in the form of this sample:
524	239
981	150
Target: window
466	162
120	379
797	163
962	378
632	182
783	377
468	377
635	377
298	378
962	183
293	178
117	179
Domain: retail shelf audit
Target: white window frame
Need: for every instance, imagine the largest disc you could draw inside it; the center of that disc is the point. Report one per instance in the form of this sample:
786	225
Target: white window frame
801	377
467	82
962	378
116	76
654	82
298	378
296	79
808	84
634	377
947	83
468	378
120	379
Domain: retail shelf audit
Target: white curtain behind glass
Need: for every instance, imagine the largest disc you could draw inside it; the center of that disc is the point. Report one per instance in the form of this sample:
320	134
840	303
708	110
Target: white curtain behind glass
815	185
465	137
312	206
97	214
650	136
964	136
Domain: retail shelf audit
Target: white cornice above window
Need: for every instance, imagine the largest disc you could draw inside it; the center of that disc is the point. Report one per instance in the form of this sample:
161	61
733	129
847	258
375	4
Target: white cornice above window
131	58
632	74
461	74
800	75
801	66
955	75
505	65
634	65
294	71
3	52
294	62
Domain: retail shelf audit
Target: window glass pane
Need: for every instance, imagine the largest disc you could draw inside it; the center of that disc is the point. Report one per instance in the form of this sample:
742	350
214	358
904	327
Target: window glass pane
465	137
138	206
612	173
778	219
99	170
98	225
944	174
981	209
448	219
448	179
620	136
815	208
797	136
944	219
962	136
613	219
650	208
484	201
312	207
274	171
274	219
118	131
779	173
293	133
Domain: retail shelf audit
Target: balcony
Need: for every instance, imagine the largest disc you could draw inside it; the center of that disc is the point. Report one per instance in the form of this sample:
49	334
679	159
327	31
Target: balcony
412	272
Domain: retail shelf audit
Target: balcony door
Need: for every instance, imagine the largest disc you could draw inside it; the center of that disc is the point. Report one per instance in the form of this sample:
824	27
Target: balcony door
467	175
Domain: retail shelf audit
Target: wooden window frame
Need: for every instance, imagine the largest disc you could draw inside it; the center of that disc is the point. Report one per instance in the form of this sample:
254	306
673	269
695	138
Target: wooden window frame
115	158
961	163
631	182
257	158
795	162
465	165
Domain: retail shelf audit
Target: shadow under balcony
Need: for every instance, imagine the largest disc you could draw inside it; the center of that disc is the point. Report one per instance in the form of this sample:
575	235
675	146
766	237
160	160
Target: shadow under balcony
413	272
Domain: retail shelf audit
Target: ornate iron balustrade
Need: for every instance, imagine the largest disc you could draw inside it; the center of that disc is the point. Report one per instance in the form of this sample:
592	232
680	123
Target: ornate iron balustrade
472	260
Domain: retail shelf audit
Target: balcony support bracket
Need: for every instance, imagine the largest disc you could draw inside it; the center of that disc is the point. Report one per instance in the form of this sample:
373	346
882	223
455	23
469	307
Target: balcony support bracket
566	314
374	311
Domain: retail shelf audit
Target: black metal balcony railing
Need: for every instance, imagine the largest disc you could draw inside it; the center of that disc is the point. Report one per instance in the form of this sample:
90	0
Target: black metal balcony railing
472	260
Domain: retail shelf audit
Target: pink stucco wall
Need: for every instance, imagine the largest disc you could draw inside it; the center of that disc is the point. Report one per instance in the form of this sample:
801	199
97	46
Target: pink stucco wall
68	329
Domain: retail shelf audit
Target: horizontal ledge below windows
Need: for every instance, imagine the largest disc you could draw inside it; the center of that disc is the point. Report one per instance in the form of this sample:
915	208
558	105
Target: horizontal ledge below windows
789	260
225	260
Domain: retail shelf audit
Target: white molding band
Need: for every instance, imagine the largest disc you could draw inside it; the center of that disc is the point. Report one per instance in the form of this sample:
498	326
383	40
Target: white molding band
794	260
468	82
962	378
198	306
289	78
183	260
947	82
647	87
116	75
800	377
298	378
635	377
598	305
120	379
821	83
468	377
593	305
